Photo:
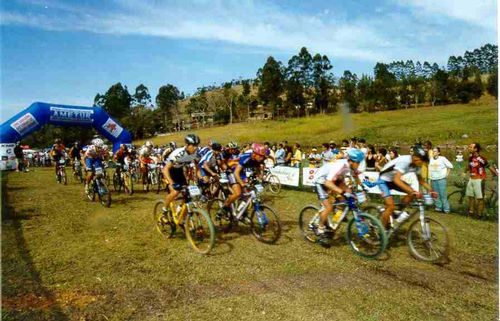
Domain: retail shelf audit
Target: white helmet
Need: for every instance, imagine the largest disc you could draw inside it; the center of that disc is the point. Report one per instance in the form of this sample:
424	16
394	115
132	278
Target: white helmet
149	144
97	142
105	147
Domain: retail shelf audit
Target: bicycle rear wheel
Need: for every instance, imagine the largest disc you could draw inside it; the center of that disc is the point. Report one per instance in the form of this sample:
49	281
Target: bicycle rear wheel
164	221
117	184
265	224
64	178
273	184
200	231
222	221
366	236
308	222
428	242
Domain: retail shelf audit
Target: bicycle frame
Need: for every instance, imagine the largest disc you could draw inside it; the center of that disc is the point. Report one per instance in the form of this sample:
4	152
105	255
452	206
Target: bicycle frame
421	211
351	206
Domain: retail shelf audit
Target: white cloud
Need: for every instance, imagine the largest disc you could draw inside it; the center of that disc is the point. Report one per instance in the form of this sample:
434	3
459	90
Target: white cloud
478	12
239	22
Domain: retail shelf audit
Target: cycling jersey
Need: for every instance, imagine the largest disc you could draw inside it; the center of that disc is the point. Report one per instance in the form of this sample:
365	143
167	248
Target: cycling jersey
74	152
246	160
332	171
202	151
57	151
180	157
400	164
120	155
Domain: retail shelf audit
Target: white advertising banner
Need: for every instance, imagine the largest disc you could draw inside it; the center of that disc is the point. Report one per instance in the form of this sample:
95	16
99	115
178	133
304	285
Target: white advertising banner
308	175
7	157
24	124
287	175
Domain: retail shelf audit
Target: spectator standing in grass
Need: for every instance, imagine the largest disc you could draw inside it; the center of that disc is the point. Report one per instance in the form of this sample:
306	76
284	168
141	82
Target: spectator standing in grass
333	148
425	168
297	156
439	170
288	155
393	154
18	152
477	169
381	159
362	147
280	155
314	158
370	158
327	155
343	149
459	159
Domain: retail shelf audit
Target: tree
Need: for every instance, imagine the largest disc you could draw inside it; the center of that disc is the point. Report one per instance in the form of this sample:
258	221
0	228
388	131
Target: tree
383	87
116	101
229	95
347	86
322	81
271	80
142	96
492	84
365	93
166	100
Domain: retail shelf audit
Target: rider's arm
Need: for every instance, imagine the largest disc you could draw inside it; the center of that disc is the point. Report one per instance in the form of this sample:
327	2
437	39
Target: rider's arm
330	185
166	172
207	168
423	183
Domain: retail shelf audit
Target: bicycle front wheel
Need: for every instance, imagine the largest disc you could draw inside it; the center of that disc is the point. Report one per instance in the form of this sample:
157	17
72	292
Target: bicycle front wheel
104	194
428	242
164	221
366	236
265	224
308	222
64	178
200	231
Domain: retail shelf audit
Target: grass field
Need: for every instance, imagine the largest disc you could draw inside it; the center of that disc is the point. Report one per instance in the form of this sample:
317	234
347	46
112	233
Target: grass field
440	124
64	258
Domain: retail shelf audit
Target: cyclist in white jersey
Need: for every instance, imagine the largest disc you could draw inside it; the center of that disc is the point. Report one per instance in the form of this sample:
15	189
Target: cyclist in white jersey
177	160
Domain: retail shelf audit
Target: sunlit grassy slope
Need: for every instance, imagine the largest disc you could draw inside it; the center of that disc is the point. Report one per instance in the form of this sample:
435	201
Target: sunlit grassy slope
440	124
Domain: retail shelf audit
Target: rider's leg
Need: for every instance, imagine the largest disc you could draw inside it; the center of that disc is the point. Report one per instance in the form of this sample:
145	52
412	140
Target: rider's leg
233	197
327	209
170	196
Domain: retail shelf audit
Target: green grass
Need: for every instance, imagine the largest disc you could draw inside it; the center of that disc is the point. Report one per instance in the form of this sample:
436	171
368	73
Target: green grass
440	124
64	258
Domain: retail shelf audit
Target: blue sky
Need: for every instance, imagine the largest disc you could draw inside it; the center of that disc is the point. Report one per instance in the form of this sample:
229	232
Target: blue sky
67	51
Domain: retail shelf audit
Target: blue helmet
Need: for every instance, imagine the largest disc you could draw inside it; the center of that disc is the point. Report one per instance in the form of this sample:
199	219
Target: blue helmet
355	155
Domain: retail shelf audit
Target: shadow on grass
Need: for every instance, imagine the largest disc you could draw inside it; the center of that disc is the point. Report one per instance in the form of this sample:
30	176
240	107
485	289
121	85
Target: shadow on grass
34	281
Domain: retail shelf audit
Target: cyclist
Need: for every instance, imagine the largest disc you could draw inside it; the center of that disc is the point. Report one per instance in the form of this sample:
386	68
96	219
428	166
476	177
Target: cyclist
209	162
230	156
171	147
177	161
57	152
391	178
331	177
251	159
75	154
145	159
120	156
92	159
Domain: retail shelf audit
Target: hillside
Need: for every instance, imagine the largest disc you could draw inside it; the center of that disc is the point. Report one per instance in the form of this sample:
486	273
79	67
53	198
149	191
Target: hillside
440	124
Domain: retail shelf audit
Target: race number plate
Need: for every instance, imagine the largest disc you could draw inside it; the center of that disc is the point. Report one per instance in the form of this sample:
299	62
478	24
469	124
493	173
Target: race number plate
194	190
98	171
259	188
62	162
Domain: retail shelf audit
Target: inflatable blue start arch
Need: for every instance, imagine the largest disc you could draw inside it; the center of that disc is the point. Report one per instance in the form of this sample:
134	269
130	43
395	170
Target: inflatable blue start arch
39	114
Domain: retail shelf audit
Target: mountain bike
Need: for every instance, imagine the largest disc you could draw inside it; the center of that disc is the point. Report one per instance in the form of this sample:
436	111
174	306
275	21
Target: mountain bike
264	223
427	238
77	171
61	172
364	233
185	213
123	180
99	188
271	182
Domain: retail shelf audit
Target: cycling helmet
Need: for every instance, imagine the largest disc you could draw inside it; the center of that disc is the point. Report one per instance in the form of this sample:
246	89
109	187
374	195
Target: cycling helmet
216	147
149	144
192	139
259	149
172	145
97	142
420	152
232	145
355	155
105	147
77	144
57	141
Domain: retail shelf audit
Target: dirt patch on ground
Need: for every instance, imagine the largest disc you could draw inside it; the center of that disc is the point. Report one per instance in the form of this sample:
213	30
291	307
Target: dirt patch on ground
31	301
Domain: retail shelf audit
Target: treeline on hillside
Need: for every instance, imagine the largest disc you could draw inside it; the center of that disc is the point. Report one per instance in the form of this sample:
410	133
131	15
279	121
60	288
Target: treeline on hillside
305	85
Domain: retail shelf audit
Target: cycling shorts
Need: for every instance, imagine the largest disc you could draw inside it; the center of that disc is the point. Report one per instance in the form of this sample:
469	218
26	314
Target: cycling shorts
385	188
178	177
91	163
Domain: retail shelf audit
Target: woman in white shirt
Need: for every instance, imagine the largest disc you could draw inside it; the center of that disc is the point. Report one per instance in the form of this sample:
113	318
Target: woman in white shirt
439	169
